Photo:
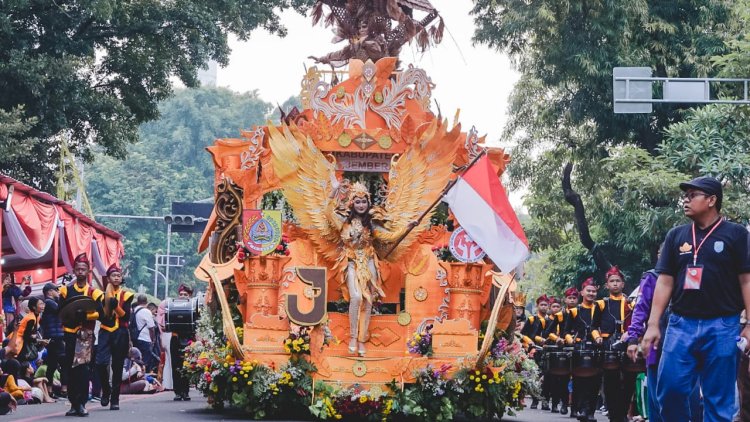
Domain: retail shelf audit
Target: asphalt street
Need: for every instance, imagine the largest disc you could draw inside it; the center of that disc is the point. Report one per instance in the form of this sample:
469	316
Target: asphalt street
160	407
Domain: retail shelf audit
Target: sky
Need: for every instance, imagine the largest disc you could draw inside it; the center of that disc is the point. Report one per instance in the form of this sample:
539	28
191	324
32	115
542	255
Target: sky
474	79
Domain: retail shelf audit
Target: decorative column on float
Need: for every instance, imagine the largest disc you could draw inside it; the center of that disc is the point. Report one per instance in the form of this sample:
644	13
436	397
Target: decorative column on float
258	284
466	284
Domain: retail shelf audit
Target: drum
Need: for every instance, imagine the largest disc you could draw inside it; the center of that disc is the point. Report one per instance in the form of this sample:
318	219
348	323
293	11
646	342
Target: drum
586	363
629	366
558	363
181	315
611	359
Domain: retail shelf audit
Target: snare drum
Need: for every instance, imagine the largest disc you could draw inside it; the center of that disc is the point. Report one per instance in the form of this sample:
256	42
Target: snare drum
611	359
181	315
629	366
587	363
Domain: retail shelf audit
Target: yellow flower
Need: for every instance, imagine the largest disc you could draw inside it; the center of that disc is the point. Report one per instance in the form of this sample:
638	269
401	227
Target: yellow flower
245	375
226	365
363	399
471	377
234	379
338	416
249	383
484	377
491	382
476	372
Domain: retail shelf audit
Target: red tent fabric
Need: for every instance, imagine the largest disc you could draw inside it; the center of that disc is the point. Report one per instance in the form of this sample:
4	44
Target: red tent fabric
41	234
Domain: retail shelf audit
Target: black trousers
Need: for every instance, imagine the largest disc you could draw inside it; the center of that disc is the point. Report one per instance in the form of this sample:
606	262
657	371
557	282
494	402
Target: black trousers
177	350
558	388
113	348
78	377
54	360
619	387
586	392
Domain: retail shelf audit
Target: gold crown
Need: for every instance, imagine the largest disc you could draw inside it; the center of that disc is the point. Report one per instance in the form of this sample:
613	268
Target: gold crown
519	299
358	190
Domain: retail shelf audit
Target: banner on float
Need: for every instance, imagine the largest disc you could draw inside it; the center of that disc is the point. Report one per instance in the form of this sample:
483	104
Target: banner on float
261	230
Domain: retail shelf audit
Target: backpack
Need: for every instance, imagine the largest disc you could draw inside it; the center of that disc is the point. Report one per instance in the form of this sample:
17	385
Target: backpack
133	324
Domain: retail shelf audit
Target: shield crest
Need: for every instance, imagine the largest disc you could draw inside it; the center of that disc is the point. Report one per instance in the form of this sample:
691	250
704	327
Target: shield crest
718	246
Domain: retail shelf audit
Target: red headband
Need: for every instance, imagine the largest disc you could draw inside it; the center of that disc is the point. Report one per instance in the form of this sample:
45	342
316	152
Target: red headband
614	271
113	269
589	282
553	299
542	298
82	258
571	292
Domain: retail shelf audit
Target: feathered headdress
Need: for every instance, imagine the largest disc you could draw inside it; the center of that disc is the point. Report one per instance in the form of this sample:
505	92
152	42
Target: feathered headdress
519	299
358	190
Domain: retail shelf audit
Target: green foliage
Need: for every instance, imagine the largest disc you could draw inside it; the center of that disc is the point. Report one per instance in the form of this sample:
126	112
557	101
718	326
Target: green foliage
170	164
14	143
561	112
97	69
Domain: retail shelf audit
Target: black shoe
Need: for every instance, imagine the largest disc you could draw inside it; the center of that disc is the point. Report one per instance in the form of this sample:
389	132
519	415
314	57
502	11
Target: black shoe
114	406
563	410
105	400
177	398
185	397
554	409
72	412
545	405
82	411
534	403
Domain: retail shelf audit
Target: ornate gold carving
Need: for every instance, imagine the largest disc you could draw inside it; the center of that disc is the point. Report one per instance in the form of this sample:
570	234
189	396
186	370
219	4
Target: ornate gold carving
404	319
420	294
359	369
229	213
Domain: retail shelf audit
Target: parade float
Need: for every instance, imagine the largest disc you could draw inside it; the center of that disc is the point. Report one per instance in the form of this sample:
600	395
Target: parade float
334	290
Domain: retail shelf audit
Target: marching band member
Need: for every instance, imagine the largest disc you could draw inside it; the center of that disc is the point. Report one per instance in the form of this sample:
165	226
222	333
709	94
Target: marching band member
113	337
554	333
531	334
619	385
582	326
79	331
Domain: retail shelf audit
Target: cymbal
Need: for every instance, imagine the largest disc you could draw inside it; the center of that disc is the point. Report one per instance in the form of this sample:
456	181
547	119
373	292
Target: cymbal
70	306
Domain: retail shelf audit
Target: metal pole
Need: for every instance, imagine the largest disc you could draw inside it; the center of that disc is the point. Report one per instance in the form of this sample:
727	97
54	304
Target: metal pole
166	277
156	279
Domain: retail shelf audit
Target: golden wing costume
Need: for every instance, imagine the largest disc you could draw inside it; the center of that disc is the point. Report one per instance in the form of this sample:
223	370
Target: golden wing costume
416	179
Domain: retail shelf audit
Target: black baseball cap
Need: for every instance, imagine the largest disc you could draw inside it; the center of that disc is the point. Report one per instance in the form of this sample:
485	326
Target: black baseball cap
705	184
49	286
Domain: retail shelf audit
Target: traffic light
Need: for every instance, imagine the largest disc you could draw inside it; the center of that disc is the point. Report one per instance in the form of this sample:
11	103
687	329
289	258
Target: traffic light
179	219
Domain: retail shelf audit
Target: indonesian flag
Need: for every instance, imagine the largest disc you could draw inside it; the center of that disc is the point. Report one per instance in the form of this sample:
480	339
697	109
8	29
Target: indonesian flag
481	206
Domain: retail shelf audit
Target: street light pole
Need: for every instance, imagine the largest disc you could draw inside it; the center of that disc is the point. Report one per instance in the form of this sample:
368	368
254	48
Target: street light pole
169	256
156	279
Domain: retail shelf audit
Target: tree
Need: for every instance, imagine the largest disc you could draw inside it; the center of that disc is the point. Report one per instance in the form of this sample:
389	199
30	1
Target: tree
561	113
169	164
98	68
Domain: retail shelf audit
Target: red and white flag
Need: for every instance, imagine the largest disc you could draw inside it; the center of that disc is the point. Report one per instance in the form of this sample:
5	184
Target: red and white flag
481	207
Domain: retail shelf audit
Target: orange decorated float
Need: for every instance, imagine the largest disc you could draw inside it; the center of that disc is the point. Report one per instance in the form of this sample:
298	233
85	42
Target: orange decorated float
347	280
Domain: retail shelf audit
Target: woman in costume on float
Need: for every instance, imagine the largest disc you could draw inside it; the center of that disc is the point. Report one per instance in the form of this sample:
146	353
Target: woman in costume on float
363	285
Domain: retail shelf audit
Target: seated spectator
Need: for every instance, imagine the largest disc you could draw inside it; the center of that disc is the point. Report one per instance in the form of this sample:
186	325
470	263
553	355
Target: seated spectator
56	388
7	403
134	378
28	377
9	380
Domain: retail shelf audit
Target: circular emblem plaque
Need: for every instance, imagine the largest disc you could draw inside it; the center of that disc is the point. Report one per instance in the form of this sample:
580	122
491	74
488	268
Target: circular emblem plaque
385	142
420	294
404	318
344	139
359	369
463	248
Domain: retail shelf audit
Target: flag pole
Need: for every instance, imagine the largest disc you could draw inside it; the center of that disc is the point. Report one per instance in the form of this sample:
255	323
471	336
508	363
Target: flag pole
437	201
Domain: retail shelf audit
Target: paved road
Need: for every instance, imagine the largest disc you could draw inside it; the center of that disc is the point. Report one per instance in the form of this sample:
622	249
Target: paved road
160	407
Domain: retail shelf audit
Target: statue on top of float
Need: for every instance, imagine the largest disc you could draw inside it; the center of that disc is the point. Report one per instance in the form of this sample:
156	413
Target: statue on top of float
349	231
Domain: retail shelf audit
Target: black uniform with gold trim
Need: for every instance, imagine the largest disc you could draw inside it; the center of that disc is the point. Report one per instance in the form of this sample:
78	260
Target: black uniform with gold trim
78	376
558	384
581	328
114	340
619	386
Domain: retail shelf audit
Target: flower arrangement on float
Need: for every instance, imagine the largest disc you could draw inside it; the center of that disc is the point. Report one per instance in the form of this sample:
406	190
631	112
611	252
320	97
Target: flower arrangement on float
438	393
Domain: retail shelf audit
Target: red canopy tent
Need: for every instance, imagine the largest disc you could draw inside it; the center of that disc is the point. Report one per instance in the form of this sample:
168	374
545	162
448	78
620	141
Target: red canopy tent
41	235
